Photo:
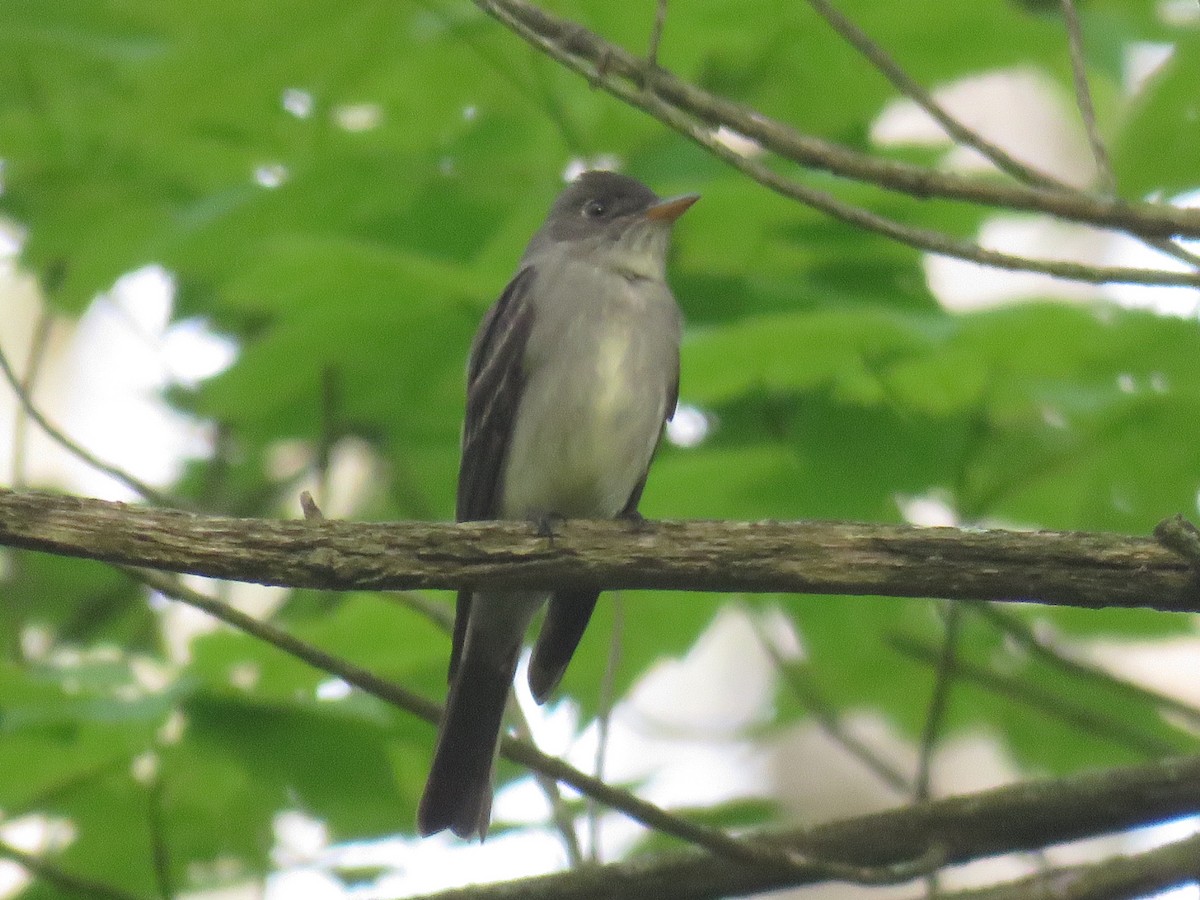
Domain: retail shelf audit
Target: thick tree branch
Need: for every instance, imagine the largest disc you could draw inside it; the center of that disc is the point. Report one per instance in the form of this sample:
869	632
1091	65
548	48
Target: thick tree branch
600	56
1027	816
1064	568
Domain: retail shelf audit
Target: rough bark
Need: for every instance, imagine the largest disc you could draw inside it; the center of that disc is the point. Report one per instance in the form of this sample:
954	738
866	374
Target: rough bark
1064	568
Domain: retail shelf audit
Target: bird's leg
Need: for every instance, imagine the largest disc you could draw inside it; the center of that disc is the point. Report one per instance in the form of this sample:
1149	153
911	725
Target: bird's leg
545	524
638	523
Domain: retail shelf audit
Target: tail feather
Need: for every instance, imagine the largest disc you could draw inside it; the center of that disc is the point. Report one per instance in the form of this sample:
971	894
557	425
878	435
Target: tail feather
566	618
458	794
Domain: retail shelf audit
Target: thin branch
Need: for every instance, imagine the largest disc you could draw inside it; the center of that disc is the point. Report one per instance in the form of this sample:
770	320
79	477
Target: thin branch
1037	697
728	848
435	612
159	844
604	716
135	484
935	715
656	33
1083	96
560	815
1115	878
938	701
909	87
37	354
924	239
624	81
1021	817
801	685
1020	632
958	131
621	73
72	885
1063	568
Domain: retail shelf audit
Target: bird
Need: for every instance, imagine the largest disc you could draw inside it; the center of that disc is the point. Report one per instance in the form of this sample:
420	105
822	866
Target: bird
571	379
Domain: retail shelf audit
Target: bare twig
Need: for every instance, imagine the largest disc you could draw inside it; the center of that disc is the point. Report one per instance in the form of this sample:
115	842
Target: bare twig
693	113
1083	96
431	610
159	844
560	815
604	716
938	701
960	132
729	848
1020	632
1116	878
656	33
581	50
1037	697
56	434
308	506
935	715
37	353
909	87
1021	817
798	681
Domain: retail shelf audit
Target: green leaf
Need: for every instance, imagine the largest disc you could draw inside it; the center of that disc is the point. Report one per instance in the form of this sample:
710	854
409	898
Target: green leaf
1158	148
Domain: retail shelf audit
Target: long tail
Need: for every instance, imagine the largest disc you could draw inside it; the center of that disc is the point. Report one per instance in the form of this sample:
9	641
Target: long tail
458	794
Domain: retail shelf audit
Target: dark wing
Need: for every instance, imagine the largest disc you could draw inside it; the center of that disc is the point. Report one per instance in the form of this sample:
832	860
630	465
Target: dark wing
568	612
494	382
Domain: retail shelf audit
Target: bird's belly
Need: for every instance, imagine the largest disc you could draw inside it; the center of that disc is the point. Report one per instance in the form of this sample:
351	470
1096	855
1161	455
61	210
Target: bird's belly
585	432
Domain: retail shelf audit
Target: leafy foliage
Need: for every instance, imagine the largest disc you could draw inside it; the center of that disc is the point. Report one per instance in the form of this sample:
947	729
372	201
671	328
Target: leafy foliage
345	187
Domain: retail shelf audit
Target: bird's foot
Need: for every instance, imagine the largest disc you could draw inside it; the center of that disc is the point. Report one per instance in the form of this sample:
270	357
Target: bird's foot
545	523
638	523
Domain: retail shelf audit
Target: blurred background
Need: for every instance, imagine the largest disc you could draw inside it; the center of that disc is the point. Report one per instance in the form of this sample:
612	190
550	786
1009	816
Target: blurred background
243	249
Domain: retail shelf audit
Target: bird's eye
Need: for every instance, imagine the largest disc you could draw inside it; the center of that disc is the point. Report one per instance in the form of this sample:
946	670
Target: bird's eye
594	209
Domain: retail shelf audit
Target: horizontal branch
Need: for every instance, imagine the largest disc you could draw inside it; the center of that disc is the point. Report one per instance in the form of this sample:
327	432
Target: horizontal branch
1064	568
1027	816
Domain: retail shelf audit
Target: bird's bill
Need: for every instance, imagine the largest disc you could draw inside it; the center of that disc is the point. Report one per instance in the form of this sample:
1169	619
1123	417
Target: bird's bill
672	208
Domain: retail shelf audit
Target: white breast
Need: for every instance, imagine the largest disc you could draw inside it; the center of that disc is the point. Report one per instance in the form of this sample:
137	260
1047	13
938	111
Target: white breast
593	405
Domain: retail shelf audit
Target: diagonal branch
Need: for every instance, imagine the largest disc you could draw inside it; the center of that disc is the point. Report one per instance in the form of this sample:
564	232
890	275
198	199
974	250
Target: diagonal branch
1003	820
1063	568
1020	817
71	885
59	436
1020	631
635	86
1030	694
1117	878
1083	94
518	751
968	137
909	87
621	73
